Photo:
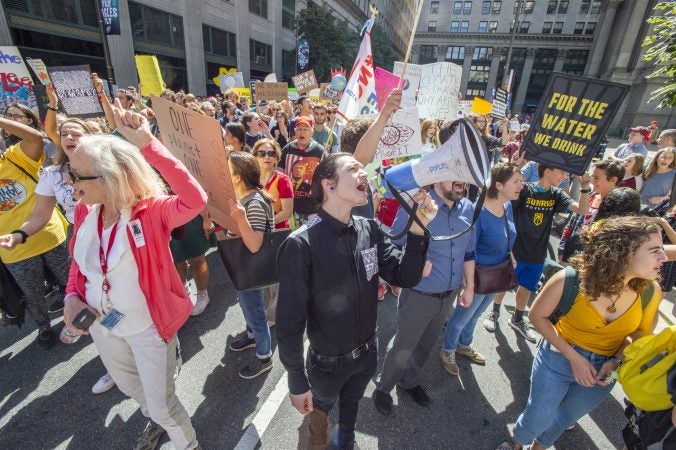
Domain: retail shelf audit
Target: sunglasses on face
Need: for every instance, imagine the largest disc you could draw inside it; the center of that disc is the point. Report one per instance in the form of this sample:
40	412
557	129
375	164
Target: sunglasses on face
75	177
268	153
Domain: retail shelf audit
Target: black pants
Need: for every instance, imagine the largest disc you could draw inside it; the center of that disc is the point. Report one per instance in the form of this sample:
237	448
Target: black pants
344	381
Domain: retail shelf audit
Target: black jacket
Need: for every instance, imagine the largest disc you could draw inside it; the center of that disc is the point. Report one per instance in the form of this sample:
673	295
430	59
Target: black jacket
328	275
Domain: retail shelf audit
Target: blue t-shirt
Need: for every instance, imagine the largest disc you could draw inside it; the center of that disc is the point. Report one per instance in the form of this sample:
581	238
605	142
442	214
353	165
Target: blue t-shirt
658	185
491	236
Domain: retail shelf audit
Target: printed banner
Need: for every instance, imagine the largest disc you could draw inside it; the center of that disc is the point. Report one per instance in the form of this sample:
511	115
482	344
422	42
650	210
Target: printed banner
272	91
17	84
110	13
196	140
481	106
39	69
76	92
386	82
411	82
230	80
401	136
303	54
572	116
150	75
359	97
499	104
305	81
438	92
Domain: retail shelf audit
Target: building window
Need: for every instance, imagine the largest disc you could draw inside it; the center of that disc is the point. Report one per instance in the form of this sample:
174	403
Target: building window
551	7
590	28
434	7
259	7
289	14
467	9
493	27
432	26
150	24
546	28
428	54
456	54
584	6
79	12
523	28
471	93
486	7
482	53
596	6
260	53
558	27
455	26
579	27
464	26
483	27
219	42
563	7
529	7
575	62
457	8
497	6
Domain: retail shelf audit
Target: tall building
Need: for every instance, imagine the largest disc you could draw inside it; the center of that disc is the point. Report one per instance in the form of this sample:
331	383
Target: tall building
600	39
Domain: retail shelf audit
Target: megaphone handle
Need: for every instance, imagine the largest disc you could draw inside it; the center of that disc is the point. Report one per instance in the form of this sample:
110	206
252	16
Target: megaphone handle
412	216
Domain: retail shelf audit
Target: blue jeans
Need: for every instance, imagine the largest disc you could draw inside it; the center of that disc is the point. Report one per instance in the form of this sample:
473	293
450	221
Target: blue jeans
556	401
460	326
253	307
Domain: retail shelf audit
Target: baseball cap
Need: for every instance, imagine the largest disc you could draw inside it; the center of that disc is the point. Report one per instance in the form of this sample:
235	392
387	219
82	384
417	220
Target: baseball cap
304	120
645	131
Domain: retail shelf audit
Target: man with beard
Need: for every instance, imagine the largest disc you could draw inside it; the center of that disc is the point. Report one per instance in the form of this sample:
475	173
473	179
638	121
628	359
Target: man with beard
326	137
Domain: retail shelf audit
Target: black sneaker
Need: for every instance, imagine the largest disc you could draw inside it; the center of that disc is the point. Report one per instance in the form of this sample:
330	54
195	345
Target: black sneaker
150	436
241	342
383	402
255	368
419	395
523	329
46	338
56	306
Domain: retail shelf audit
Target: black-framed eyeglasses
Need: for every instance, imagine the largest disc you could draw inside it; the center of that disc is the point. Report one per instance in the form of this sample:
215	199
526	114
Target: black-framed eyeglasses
15	116
264	153
75	177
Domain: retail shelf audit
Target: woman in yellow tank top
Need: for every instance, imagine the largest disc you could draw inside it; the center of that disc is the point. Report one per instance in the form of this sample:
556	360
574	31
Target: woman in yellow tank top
570	375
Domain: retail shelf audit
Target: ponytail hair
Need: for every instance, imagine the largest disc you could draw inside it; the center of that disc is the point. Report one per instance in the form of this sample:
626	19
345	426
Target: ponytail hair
244	165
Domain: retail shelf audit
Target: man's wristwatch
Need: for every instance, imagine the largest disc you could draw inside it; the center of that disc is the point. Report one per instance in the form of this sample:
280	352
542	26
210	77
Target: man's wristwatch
23	234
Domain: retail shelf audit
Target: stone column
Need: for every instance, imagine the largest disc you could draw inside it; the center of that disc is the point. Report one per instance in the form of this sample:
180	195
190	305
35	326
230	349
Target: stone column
275	11
560	59
122	51
5	33
242	27
194	47
517	104
467	63
629	35
441	53
495	66
601	41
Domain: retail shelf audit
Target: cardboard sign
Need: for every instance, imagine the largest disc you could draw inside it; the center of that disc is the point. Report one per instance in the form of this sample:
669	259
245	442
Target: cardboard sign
230	80
305	81
481	106
272	91
438	92
386	82
16	84
499	104
411	82
572	117
39	69
401	136
196	140
76	92
150	75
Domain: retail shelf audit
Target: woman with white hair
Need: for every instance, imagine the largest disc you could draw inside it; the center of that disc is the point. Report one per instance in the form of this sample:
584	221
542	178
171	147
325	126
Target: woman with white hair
122	271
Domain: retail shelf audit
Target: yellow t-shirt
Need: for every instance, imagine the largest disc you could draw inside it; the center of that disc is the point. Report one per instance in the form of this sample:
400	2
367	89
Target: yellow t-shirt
585	327
17	201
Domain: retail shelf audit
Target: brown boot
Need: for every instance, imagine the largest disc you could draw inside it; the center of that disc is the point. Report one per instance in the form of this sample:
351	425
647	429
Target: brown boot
319	430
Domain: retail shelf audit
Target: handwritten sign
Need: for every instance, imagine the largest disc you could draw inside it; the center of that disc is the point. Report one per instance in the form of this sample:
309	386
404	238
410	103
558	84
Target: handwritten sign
16	84
150	75
40	70
411	82
401	136
438	92
272	91
386	82
195	140
572	117
75	90
230	80
305	81
499	104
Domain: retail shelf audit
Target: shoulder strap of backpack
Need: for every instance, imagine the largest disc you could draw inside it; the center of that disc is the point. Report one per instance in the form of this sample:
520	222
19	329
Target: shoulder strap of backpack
647	295
571	286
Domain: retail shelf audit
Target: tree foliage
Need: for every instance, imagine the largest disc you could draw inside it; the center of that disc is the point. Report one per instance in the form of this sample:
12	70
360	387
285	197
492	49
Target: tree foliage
661	52
384	52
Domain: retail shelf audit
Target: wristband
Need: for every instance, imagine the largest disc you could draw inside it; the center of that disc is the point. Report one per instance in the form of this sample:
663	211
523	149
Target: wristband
51	108
585	191
617	359
69	295
23	234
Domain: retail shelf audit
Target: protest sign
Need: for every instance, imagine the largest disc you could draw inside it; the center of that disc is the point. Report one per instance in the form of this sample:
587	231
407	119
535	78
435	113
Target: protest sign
411	82
305	81
272	91
270	78
572	117
252	90
150	75
464	107
110	14
401	136
438	91
386	82
293	94
39	69
230	80
246	92
326	91
196	141
499	104
16	84
75	90
481	106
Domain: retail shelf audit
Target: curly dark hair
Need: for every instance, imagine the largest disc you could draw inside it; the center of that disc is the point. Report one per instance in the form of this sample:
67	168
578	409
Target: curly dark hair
608	247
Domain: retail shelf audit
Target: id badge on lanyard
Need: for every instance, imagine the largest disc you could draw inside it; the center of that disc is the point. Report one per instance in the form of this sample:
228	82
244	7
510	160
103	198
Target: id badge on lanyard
112	316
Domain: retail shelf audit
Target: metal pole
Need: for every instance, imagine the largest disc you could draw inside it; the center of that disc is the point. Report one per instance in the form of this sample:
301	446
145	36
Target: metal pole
511	40
110	72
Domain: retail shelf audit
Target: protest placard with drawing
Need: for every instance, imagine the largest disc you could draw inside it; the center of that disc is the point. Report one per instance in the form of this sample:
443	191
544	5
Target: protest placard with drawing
401	136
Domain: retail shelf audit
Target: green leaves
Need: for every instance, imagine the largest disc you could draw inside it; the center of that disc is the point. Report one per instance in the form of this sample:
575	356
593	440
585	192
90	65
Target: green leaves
662	52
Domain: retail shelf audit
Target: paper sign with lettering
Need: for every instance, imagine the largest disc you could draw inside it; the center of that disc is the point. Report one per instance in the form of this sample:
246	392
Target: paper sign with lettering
16	84
39	69
272	91
401	136
305	81
196	141
572	117
76	92
464	107
438	92
231	80
499	103
150	75
411	82
481	106
246	92
385	83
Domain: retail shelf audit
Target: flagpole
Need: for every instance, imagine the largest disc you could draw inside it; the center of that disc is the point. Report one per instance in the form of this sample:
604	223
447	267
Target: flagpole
410	42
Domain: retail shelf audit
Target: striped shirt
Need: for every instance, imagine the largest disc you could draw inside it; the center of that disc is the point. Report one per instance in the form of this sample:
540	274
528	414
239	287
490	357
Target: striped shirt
258	212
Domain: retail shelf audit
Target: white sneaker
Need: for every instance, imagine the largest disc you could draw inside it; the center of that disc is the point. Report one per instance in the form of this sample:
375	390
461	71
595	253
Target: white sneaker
104	384
200	304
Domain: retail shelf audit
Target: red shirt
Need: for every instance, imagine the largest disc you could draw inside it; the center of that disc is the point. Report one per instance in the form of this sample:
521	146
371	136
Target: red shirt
279	187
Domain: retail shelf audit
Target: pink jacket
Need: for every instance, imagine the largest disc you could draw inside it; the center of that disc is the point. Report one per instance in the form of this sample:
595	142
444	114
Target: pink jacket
168	302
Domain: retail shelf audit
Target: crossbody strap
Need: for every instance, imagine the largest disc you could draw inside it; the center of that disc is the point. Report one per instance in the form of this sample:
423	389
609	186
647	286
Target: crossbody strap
22	169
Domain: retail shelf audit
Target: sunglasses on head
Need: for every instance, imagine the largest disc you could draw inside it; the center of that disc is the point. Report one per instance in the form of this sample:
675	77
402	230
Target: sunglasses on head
264	153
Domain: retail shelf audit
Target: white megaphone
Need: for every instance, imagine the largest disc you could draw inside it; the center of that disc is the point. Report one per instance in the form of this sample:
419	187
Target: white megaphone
463	157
